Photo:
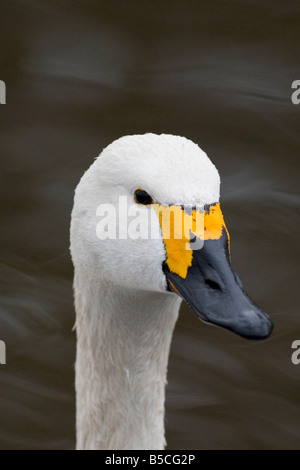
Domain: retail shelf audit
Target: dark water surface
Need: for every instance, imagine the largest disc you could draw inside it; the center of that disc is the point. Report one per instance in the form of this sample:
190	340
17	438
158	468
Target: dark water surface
80	74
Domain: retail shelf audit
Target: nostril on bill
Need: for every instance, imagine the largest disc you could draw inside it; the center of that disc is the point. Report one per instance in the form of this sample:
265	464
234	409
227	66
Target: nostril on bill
212	284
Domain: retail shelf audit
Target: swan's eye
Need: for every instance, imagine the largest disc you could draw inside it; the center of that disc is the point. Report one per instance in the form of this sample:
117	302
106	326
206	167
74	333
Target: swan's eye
141	197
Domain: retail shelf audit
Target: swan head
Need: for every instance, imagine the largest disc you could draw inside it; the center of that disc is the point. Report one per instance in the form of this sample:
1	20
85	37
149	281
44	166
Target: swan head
147	217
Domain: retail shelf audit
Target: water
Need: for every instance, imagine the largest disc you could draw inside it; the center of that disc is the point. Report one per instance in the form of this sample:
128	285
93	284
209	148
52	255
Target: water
80	74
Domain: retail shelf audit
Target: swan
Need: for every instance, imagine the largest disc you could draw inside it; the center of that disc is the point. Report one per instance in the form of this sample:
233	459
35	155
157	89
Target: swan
128	290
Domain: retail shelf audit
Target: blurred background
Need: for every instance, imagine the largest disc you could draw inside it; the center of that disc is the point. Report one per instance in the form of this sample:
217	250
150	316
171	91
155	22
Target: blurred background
82	73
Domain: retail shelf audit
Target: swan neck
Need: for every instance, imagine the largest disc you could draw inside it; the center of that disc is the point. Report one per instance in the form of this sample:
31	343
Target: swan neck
123	343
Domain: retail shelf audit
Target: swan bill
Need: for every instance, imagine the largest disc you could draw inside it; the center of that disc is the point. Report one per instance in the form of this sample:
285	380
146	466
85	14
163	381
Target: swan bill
215	292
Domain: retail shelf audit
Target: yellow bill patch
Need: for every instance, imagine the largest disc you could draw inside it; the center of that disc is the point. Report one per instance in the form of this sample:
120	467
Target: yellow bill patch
177	225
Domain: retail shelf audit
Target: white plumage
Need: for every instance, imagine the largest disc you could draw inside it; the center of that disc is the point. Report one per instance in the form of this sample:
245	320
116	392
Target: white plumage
124	315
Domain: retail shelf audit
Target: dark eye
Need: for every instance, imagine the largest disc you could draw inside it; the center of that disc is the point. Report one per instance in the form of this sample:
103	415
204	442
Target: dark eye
141	197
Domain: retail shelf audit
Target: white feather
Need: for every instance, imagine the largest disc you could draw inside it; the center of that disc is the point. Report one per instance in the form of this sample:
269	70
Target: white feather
124	316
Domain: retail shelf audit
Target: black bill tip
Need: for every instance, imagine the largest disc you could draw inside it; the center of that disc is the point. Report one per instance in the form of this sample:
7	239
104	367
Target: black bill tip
250	323
215	292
